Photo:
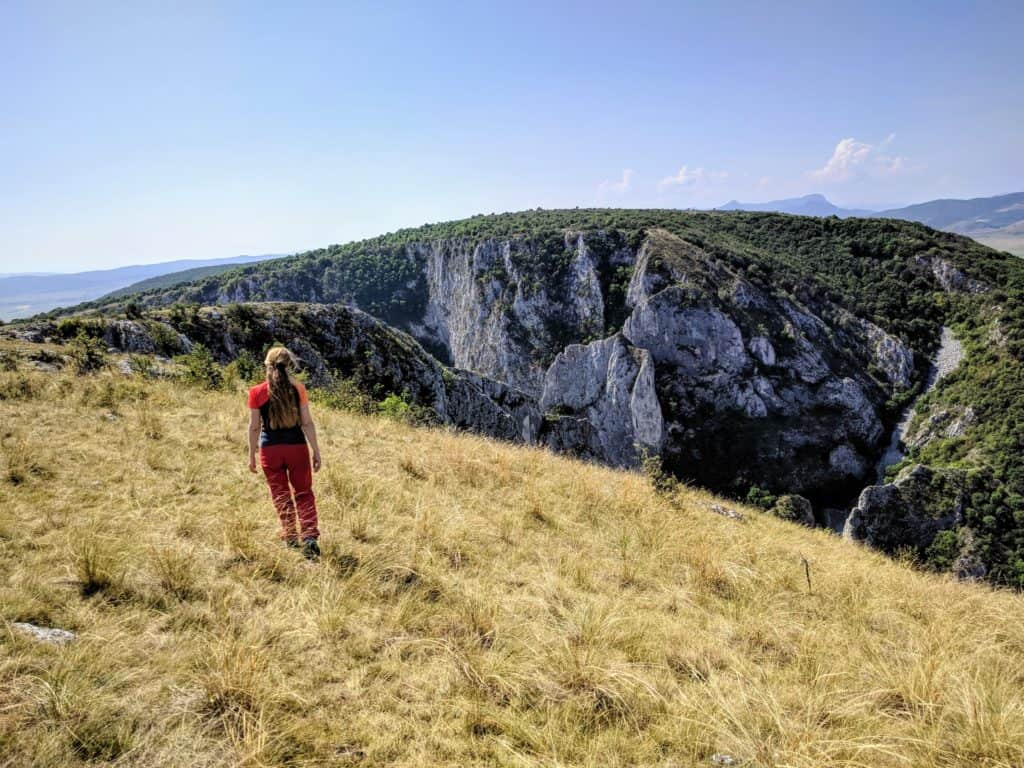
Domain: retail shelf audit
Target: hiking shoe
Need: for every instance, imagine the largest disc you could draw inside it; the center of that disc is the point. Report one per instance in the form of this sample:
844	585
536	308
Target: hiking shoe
291	543
311	549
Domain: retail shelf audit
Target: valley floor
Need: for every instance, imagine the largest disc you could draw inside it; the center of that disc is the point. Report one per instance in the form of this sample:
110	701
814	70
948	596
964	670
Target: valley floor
477	604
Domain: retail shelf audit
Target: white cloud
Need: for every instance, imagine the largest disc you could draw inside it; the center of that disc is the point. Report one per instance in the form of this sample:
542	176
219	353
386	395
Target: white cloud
852	157
848	154
617	187
691	178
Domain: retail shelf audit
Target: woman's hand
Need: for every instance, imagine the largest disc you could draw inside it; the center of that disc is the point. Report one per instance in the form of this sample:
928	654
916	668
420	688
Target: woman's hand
316	461
252	463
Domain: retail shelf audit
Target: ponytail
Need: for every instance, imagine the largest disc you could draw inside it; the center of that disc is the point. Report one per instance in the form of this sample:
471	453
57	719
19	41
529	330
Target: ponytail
284	409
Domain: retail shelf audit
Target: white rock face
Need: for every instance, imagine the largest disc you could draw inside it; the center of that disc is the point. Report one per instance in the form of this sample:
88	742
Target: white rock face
887	354
950	278
601	399
700	340
644	282
848	396
491	317
584	297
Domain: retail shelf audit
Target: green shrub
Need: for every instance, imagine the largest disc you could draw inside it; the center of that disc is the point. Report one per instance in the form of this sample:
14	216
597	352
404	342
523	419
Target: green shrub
661	480
20	386
69	327
142	365
244	368
165	338
184	313
87	353
943	551
199	368
72	327
794	508
400	408
345	395
109	392
760	497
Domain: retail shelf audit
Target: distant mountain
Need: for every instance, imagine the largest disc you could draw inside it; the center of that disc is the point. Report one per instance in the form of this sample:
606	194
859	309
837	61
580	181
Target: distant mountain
979	215
808	205
23	295
995	221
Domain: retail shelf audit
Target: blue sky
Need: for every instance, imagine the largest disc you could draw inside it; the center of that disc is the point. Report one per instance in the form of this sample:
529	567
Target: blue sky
137	132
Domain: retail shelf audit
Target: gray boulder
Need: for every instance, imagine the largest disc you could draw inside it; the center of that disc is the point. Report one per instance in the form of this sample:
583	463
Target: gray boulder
51	635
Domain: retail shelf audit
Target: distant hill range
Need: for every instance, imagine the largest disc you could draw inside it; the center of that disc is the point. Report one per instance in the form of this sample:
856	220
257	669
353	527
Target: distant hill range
995	221
23	295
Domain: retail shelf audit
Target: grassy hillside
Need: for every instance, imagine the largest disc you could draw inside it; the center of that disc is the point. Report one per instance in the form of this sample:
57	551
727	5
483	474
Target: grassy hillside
477	604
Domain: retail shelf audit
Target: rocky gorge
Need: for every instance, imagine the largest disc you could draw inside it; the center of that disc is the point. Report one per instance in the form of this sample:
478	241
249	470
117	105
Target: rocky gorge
737	370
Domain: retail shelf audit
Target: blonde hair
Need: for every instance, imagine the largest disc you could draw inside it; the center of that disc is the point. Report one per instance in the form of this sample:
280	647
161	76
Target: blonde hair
284	410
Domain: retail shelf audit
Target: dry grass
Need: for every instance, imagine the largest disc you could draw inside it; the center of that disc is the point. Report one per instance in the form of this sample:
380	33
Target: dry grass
477	604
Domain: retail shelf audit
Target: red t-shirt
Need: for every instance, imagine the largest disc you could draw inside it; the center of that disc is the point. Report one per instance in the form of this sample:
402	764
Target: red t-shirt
260	394
259	397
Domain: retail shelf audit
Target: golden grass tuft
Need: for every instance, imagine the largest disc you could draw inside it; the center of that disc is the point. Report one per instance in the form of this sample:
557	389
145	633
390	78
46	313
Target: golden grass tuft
476	604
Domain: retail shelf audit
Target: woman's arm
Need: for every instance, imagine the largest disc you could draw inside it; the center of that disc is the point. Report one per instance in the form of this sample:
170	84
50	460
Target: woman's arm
309	430
254	436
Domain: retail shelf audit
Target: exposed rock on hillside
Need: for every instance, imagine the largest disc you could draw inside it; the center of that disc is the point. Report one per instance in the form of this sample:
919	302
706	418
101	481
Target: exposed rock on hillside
950	278
740	371
908	513
652	347
600	402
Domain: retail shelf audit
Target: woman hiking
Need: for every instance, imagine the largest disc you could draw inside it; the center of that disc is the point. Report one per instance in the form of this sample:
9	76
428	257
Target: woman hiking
280	424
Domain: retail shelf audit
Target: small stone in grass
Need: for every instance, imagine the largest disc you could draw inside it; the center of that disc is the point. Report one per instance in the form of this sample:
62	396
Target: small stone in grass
45	634
732	514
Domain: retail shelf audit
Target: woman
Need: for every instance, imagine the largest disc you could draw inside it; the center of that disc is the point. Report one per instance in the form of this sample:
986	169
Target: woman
279	422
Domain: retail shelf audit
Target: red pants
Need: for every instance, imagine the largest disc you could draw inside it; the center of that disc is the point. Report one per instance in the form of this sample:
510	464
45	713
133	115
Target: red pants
284	464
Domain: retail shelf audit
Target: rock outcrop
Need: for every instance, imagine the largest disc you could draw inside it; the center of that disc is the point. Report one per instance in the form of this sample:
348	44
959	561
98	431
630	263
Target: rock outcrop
487	310
599	401
908	513
949	277
738	371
